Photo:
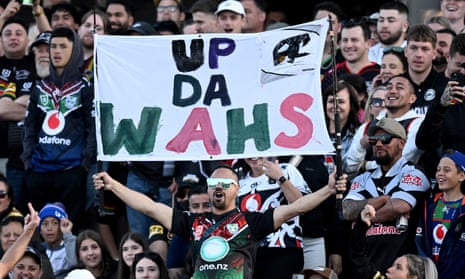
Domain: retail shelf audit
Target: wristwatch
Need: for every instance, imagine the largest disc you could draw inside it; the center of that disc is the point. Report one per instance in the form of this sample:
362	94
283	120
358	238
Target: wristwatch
282	179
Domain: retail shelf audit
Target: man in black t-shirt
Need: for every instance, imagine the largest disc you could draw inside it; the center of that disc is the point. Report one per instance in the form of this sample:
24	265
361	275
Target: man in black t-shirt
17	76
233	234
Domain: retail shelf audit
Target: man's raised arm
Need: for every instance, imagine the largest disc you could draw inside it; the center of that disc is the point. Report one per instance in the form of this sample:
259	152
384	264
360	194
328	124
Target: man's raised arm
140	202
308	202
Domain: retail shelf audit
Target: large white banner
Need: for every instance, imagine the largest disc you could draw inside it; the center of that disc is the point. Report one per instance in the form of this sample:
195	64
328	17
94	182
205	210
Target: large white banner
211	96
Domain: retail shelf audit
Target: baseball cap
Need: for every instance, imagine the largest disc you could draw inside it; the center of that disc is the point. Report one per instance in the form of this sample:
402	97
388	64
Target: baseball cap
30	251
390	126
42	38
80	274
458	158
190	180
232	6
142	27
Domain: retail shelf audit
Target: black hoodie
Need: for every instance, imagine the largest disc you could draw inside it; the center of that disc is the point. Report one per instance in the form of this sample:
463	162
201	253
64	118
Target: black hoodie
60	123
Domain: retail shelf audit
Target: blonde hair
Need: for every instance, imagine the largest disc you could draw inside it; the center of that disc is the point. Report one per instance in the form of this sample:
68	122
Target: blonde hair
368	116
421	267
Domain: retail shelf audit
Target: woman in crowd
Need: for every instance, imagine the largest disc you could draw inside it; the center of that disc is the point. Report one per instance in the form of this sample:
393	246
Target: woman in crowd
393	63
11	228
6	198
348	107
441	230
91	255
149	265
131	244
375	103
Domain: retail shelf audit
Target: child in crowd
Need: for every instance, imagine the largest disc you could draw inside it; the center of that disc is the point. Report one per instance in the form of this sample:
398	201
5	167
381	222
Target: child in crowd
93	256
149	265
60	243
131	244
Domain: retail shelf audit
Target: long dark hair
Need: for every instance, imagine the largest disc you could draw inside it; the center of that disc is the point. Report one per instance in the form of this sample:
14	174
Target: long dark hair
352	120
105	264
124	271
156	258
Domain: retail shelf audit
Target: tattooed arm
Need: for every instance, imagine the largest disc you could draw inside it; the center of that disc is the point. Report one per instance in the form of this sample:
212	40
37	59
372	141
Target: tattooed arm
351	208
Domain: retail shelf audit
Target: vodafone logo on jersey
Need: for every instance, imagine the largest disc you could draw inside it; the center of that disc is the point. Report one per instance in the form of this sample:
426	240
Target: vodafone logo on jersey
54	123
439	232
252	203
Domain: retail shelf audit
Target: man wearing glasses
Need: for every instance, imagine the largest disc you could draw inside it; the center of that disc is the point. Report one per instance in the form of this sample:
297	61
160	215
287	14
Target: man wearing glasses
225	241
399	98
394	188
170	10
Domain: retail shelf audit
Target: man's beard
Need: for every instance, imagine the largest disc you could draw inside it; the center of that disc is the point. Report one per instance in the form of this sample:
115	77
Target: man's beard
42	69
392	39
383	160
393	109
87	44
219	204
439	60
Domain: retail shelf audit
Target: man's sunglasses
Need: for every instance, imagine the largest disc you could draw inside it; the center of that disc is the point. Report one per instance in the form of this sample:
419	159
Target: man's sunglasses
377	102
384	138
224	182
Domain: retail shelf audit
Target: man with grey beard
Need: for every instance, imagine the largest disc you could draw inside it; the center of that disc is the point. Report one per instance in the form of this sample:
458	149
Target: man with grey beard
41	53
391	29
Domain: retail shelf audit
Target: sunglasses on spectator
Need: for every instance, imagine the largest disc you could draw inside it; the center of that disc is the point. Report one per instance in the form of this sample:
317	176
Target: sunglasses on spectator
224	182
384	138
170	9
393	49
3	194
377	102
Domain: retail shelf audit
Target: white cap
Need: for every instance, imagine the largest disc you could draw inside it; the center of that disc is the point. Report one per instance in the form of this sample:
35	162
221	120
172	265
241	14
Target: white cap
230	5
80	274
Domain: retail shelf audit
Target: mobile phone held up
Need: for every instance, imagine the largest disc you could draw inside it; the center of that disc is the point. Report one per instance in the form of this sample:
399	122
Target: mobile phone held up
458	77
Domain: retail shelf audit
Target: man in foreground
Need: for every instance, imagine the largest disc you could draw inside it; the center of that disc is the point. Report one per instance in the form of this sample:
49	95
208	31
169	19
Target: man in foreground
233	234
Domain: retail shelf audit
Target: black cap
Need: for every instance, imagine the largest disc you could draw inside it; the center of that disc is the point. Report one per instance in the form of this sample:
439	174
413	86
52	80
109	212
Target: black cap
42	38
166	25
13	216
189	180
142	27
32	252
